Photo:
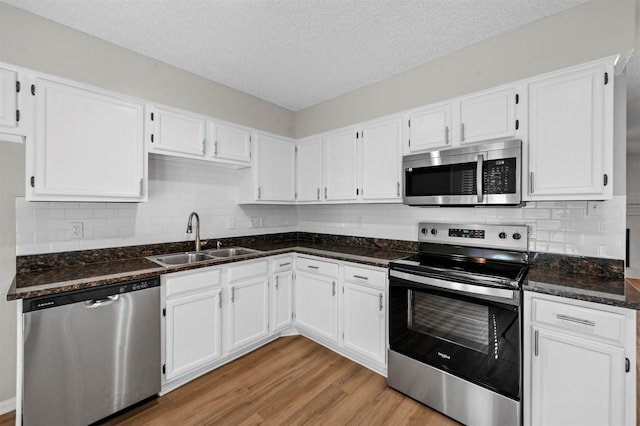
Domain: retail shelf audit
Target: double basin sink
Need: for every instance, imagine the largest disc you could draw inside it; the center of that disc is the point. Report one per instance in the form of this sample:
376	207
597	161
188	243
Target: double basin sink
189	258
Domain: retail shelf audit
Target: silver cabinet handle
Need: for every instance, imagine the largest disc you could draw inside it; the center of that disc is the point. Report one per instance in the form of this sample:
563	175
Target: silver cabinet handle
446	135
141	187
461	132
312	267
285	264
219	300
576	320
215	148
479	177
362	277
204	146
325	192
531	183
398	186
276	282
258	193
318	193
233	294
380	302
333	288
535	343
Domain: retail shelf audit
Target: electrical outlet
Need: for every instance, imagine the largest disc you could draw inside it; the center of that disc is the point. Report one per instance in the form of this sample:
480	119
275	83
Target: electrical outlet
76	229
255	222
532	229
263	221
594	208
231	222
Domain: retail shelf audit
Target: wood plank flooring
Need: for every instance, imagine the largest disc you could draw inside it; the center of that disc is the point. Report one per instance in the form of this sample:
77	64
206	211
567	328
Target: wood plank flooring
292	381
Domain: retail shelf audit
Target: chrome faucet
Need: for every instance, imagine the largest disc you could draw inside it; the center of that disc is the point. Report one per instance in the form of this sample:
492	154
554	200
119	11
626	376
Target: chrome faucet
190	230
218	245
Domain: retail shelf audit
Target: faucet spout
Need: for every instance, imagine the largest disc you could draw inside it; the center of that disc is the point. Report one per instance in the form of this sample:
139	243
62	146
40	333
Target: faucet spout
190	229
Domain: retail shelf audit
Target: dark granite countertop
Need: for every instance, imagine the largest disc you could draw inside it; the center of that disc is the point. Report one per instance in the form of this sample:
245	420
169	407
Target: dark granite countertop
65	278
589	279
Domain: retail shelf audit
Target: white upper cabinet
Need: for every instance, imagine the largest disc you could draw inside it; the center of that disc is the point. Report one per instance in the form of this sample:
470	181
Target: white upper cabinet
88	145
340	165
177	132
381	157
229	143
489	115
430	128
309	170
571	134
272	177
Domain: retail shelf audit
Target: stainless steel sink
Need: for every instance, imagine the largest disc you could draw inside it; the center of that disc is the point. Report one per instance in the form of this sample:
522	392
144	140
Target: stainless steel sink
231	251
181	258
188	258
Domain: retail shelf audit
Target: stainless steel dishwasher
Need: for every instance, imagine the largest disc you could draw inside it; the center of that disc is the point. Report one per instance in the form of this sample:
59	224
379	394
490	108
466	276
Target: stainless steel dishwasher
90	353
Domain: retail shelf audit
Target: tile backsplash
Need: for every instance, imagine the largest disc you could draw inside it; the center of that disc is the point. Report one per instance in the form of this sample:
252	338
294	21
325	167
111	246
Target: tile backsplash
177	188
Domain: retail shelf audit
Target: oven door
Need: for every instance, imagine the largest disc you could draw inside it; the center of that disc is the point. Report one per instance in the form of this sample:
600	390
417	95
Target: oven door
470	331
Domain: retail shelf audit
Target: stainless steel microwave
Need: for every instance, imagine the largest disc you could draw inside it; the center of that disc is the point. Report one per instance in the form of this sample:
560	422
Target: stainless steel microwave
475	175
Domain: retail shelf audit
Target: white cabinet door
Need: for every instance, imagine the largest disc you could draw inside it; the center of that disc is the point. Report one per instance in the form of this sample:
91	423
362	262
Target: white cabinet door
193	330
282	299
364	321
316	305
571	135
340	166
8	98
275	168
309	170
249	311
178	132
232	143
576	381
381	160
490	115
89	145
430	128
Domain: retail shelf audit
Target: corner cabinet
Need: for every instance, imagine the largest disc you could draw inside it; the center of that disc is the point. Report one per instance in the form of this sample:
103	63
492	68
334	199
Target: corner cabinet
309	166
271	179
579	363
88	145
282	292
571	134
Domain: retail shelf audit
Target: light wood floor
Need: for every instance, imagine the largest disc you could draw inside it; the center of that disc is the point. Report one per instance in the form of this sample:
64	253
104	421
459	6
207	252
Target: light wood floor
290	381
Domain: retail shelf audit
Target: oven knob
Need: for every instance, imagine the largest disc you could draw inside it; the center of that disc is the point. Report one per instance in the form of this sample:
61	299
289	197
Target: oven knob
434	231
424	231
502	235
517	236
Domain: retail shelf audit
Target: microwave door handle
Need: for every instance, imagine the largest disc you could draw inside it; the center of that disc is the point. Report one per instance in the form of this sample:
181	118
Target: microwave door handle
479	178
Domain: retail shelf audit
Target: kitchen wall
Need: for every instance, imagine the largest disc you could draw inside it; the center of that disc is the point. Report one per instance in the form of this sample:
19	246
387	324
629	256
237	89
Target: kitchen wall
11	186
580	34
176	188
33	42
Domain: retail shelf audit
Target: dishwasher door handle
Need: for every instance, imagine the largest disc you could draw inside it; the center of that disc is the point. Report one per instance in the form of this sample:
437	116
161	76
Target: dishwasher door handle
96	303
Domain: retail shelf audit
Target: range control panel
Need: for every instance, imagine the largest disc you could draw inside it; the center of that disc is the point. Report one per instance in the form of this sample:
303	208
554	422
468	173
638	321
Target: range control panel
513	237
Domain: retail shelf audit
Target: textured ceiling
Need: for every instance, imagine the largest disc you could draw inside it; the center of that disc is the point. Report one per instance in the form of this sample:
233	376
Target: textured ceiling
294	53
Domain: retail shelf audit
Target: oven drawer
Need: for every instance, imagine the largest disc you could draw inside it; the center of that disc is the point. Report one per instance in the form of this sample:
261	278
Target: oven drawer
365	276
317	266
582	320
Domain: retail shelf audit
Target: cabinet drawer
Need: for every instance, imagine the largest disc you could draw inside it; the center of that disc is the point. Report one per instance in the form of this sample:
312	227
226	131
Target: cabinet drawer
365	276
284	263
592	322
191	282
247	270
317	266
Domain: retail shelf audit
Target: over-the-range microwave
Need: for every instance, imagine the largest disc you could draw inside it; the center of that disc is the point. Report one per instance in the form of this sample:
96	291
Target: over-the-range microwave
475	175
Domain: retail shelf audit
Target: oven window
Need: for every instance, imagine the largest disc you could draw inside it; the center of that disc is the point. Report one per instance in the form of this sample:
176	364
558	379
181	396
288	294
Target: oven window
457	321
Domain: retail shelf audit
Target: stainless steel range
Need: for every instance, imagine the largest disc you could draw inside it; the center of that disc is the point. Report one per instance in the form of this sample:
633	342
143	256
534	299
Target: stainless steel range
455	323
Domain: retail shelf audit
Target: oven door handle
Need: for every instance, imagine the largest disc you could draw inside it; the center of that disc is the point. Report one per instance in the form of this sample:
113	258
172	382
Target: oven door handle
501	293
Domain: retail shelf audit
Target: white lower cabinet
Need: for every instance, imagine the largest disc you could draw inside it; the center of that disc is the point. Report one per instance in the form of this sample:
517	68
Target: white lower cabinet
579	363
248	304
193	330
316	300
282	293
364	321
